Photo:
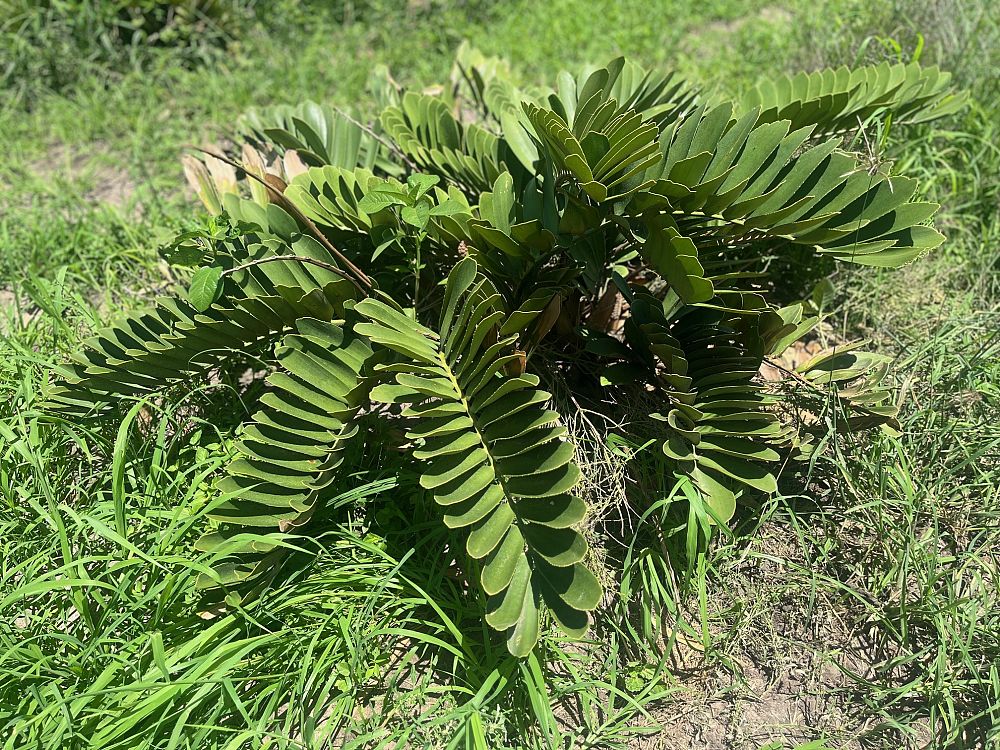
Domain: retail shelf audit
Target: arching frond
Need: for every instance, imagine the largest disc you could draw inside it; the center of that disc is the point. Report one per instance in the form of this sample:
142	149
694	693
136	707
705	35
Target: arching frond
492	455
289	453
733	181
261	297
720	430
835	101
147	353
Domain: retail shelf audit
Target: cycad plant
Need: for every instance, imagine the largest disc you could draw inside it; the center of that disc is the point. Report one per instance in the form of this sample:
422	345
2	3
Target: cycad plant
429	271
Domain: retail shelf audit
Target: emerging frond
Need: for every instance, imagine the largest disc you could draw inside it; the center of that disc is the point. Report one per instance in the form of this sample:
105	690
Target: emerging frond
603	150
425	130
319	134
655	97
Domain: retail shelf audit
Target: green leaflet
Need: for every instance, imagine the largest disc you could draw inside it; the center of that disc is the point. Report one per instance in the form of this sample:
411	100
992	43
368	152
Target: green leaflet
492	460
676	259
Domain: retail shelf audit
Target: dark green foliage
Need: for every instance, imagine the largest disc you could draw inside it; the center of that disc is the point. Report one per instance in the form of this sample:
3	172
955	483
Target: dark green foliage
429	272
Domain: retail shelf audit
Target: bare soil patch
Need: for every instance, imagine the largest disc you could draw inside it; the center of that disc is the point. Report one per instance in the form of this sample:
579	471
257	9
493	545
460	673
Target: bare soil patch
103	177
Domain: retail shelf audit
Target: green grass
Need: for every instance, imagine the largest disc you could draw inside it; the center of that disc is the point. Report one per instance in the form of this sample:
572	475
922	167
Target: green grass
861	608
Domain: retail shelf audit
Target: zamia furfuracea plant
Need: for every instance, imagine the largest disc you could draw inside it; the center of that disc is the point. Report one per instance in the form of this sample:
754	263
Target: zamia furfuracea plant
433	268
